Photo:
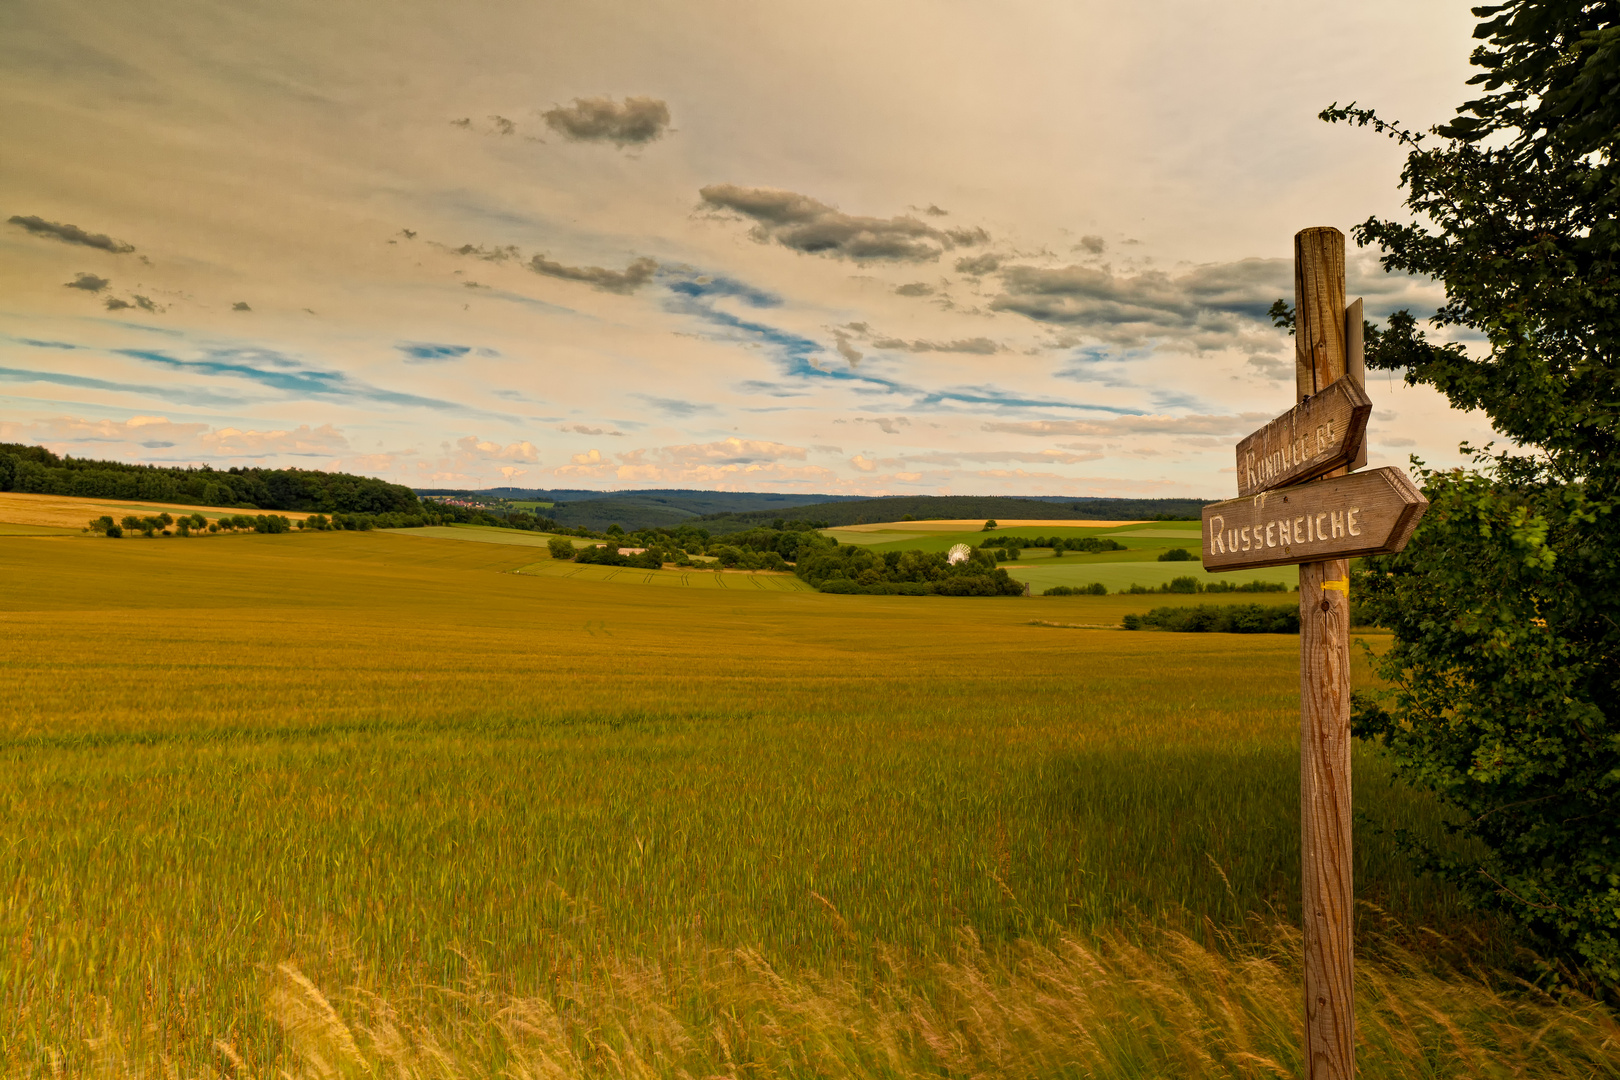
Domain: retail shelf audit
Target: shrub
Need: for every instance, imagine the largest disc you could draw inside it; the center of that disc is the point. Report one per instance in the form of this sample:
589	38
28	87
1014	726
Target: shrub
1230	619
560	547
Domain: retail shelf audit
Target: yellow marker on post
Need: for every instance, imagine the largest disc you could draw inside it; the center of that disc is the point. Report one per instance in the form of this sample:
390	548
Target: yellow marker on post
1343	585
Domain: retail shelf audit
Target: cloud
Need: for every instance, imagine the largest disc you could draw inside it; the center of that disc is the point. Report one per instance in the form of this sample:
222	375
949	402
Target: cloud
978	265
1216	306
153	432
1236	425
503	126
70	234
808	225
160	433
1096	245
241	305
115	304
147	304
88	282
583	429
979	345
864	464
302	440
422	352
498	253
269	368
628	280
888	424
474	449
635	121
675	406
723	463
915	288
846	350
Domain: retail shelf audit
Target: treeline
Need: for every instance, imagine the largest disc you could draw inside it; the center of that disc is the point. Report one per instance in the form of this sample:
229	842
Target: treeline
850	568
36	470
965	507
166	524
757	549
1007	548
1228	619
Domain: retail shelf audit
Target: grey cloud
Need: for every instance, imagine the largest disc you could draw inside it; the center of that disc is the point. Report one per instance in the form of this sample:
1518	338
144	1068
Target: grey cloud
115	304
582	429
503	126
87	282
967	237
846	350
498	253
808	225
70	234
675	406
464	122
915	288
146	304
978	265
1094	244
979	345
1215	306
1241	424
634	122
241	305
628	280
890	425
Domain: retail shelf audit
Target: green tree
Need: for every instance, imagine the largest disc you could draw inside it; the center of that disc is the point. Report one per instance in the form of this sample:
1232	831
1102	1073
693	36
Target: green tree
561	547
1504	674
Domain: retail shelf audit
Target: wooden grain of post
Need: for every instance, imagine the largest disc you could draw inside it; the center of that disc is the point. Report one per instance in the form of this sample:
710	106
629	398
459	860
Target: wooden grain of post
1324	687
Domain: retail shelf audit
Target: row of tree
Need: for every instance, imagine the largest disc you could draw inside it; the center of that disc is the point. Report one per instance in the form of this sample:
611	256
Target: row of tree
36	470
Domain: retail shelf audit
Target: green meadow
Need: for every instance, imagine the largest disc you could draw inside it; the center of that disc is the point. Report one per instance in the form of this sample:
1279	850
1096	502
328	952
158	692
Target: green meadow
397	803
1118	570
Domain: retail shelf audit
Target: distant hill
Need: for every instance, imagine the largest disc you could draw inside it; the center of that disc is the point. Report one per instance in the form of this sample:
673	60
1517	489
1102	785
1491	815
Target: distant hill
646	508
735	511
929	507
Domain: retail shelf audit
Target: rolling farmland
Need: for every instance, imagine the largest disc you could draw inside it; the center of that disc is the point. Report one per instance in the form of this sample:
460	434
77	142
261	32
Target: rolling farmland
269	798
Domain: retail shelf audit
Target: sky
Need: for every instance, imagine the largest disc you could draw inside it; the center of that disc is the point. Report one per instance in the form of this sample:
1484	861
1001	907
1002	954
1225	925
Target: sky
861	247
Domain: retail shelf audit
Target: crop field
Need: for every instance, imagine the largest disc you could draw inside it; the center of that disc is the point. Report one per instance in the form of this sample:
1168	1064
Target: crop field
673	578
70	514
380	804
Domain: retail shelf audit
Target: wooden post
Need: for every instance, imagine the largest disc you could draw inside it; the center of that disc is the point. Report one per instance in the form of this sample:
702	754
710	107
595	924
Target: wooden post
1324	688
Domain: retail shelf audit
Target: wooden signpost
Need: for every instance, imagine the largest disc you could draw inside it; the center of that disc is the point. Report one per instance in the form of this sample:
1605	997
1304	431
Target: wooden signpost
1286	518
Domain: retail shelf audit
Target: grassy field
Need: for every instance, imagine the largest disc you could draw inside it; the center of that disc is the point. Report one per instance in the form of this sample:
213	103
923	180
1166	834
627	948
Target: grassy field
375	803
1137	565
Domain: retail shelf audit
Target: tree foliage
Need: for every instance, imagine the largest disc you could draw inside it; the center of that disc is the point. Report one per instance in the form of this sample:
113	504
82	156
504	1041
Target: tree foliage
1505	668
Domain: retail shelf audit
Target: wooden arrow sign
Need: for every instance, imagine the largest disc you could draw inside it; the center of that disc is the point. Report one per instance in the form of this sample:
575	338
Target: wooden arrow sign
1322	433
1368	513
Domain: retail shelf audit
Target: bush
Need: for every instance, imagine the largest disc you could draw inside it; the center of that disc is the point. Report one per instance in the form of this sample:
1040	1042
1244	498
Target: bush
1177	555
560	548
1230	619
1096	588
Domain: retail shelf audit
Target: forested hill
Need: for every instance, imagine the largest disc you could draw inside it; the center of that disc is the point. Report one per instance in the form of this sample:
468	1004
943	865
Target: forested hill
927	507
35	469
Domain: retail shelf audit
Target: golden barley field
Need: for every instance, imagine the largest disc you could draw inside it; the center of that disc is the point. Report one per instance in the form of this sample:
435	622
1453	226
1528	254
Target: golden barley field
361	804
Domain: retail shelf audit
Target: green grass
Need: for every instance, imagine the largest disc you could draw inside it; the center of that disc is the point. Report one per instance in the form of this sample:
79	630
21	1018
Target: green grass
1118	574
392	761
